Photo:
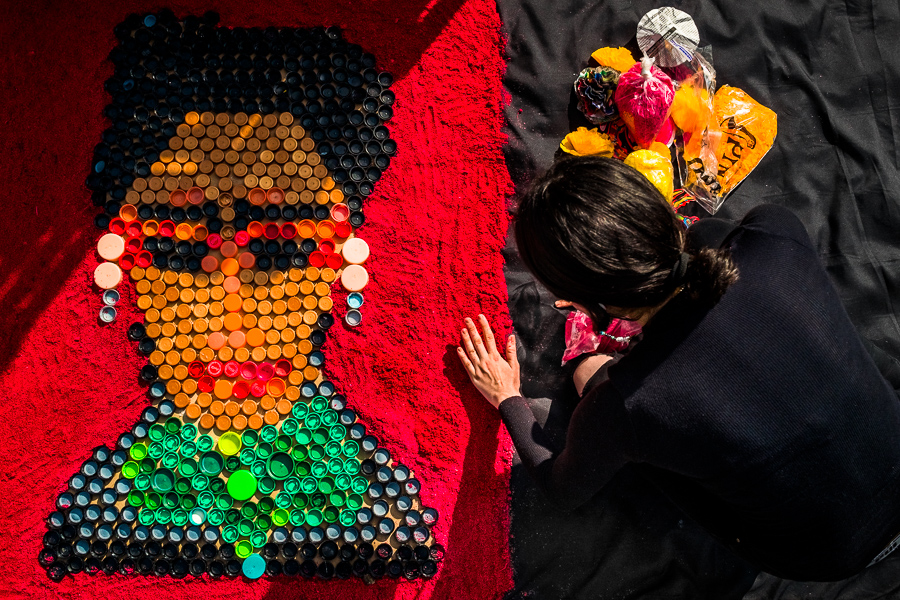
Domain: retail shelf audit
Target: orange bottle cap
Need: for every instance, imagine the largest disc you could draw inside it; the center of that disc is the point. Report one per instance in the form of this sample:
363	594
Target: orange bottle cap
237	339
257	196
200	233
216	340
111	246
178	198
223	423
254	229
232	303
325	229
231	285
306	228
230	266
107	275
128	213
184	231
256	337
247	260
207	421
275	195
150	227
354	278
222	390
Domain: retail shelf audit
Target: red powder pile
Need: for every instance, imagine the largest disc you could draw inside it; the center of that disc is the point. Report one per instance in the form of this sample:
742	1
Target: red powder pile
435	225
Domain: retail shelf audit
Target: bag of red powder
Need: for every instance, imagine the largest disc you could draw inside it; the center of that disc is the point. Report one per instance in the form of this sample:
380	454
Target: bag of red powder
581	339
644	96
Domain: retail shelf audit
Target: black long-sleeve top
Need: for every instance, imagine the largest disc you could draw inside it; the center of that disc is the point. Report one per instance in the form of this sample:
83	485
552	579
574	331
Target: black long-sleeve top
763	417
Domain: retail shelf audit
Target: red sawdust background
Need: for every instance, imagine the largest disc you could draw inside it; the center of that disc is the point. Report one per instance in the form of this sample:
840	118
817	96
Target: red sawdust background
436	224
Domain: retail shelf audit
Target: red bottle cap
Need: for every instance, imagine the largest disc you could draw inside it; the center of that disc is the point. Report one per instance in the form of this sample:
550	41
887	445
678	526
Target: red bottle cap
232	368
254	229
275	195
214	240
340	213
249	370
257	196
195	195
117	226
258	389
134	228
272	231
133	244
334	261
195	369
215	368
144	259
229	249
246	260
343	230
288	231
327	246
206	384
127	261
240	390
167	228
241	238
209	263
178	198
265	371
283	367
317	259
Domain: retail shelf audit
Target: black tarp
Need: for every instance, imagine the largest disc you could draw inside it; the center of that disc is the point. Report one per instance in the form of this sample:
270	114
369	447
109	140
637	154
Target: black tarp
831	71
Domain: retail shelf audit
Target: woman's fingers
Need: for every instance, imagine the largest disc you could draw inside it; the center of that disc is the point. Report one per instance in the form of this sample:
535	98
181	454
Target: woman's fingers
467	364
511	356
476	338
469	346
562	304
488	334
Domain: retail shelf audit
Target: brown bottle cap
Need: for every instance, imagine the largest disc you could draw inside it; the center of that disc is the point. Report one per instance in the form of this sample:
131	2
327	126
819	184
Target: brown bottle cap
223	143
240	119
253	145
191	143
258	169
273	144
207	118
313	159
183	130
198	130
176	143
213	131
207	144
222	119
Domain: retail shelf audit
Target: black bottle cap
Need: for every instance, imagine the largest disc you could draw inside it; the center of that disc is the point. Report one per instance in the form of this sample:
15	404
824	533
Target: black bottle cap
378	568
272	247
75	565
366	550
189	551
264	263
166	244
325	321
394	569
273	568
152	549
208	551
51	539
411	569
404	553
308	568
216	569
436	552
180	568
110	565
226	552
348	552
343	570
92	565
233	568
308	551
145	566
98	548
291	568
198	567
148	373
117	548
135	550
46	557
328	550
270	550
325	570
360	567
64	551
368	467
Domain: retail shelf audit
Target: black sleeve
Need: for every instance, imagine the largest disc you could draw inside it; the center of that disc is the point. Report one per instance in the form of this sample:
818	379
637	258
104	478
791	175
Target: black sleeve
777	220
598	441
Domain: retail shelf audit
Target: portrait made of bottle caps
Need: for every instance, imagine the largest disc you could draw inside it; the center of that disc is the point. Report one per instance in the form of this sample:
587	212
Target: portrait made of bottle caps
232	180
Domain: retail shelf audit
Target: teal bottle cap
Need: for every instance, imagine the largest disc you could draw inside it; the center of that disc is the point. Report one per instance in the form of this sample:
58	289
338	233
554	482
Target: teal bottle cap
171	442
312	421
212	463
205	443
157	432
230	534
188	432
309	485
183	485
264	450
197	516
335	465
179	517
337	498
350	448
170	460
289	427
329	418
303	436
266	484
280	466
314	517
316	452
298	453
249	437
359	485
254	566
224	501
351	466
283	499
317	500
147	517
319	470
347	518
342	481
188	449
331	514
163	480
258	468
142	481
232	516
217	485
318	403
337	432
206	499
320	435
152	500
249	510
155	450
188	467
300	410
171	500
266	505
354	501
163	515
268	434
215	516
248	456
136	498
130	469
147	465
241	485
246	527
138	451
333	448
188	502
259	538
301	469
298	517
199	482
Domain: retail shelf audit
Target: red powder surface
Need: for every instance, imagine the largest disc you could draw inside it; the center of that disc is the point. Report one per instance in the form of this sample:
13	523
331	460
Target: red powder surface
435	225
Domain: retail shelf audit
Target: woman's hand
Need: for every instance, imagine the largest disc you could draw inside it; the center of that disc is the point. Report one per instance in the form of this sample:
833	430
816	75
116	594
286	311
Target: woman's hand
496	377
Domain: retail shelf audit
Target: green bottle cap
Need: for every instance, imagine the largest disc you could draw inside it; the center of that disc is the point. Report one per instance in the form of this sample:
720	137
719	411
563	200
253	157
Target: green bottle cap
248	456
138	451
246	527
171	443
316	452
147	465
206	499
173	426
347	518
298	453
359	485
188	449
212	463
136	498
266	484
312	421
188	467
300	500
333	448
337	498
199	482
303	436
155	450
335	465
197	516
215	516
291	485
266	505
258	468
331	514
147	517
205	443
309	485
170	460
329	418
298	517
258	539
354	501
249	437
152	500
263	522
130	470
320	435
142	481
350	448
224	501
280	466
314	517
241	485
280	517
188	432
283	500
299	410
232	516
232	463
188	502
337	432
243	548
217	485
264	450
163	480
319	470
318	403
249	510
183	485
326	485
229	443
289	427
230	534
342	481
317	500
157	432
302	469
171	500
180	517
351	466
283	443
268	434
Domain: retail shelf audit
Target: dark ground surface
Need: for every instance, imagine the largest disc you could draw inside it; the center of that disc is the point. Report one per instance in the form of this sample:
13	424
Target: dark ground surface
831	71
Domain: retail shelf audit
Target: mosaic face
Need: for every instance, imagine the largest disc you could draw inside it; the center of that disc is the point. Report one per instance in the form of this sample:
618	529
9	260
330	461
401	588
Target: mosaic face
234	227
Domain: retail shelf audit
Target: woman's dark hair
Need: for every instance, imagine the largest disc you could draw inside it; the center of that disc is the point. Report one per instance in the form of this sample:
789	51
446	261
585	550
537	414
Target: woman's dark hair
595	231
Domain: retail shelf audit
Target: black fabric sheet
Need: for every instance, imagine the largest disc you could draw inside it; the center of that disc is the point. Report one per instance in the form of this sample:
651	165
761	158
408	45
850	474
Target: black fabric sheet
831	71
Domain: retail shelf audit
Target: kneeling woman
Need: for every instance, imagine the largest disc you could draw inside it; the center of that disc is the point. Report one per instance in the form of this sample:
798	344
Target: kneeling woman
750	401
